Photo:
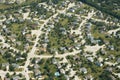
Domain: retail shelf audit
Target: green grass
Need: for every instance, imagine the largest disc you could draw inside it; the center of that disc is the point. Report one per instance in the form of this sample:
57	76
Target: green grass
57	41
2	60
16	28
106	6
96	33
5	6
113	41
56	38
64	21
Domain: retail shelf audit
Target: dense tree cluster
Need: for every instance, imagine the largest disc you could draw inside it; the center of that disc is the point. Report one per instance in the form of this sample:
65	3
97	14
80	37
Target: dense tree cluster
108	6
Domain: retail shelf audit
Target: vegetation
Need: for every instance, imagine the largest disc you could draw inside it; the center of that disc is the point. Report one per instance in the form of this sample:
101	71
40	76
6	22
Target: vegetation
15	5
48	69
59	36
108	6
2	60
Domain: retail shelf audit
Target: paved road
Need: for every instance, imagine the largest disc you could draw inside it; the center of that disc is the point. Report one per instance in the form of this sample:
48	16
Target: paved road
39	32
59	55
31	54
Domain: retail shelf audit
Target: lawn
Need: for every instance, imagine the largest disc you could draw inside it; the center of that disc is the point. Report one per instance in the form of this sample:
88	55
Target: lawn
16	28
58	40
96	33
2	60
7	6
64	21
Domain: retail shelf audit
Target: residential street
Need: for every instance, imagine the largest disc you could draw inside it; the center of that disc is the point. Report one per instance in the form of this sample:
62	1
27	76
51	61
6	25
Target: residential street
58	40
31	54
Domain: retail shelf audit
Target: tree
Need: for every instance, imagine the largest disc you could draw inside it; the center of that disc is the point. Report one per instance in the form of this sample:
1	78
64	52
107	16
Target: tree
24	55
105	75
7	75
11	68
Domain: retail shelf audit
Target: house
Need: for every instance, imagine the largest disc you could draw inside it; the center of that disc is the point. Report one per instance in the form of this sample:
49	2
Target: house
109	69
98	63
111	57
88	77
26	46
63	48
62	71
56	19
20	19
64	32
88	25
83	70
36	66
37	73
72	10
20	58
118	60
77	47
46	40
90	59
14	20
7	22
16	78
28	37
10	1
15	65
89	36
52	26
113	77
57	74
103	52
2	51
111	47
6	78
59	65
2	17
62	29
48	29
18	43
54	61
76	57
37	60
5	64
70	48
1	23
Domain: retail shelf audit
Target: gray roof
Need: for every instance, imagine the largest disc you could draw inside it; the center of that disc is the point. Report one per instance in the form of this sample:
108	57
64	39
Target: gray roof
118	60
